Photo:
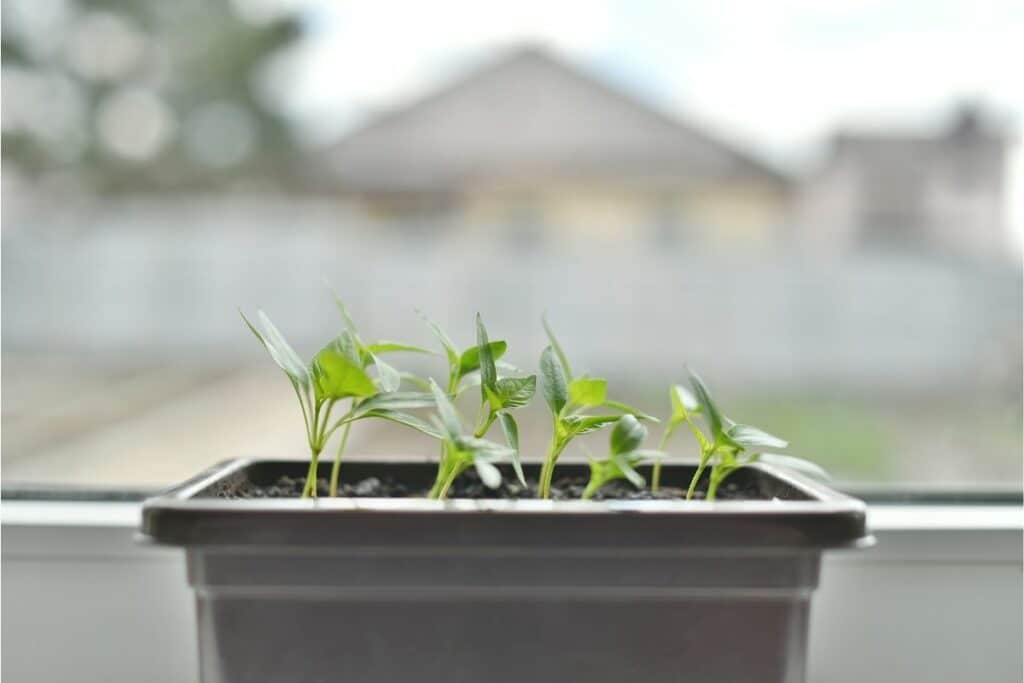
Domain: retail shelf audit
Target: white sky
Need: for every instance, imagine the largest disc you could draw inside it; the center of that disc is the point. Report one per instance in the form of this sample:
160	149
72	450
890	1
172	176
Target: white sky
778	76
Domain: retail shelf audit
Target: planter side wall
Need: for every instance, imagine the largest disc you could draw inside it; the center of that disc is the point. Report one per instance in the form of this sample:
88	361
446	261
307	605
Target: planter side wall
598	618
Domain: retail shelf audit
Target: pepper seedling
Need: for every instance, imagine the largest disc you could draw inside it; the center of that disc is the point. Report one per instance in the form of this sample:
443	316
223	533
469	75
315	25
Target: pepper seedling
478	366
339	371
683	404
624	456
732	445
569	398
461	450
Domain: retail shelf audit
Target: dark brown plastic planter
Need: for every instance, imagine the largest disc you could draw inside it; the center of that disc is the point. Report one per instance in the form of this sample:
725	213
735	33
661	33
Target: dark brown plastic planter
472	591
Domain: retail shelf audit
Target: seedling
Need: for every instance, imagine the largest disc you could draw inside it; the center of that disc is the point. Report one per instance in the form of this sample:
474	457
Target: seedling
338	372
624	456
683	405
461	450
733	445
478	366
569	398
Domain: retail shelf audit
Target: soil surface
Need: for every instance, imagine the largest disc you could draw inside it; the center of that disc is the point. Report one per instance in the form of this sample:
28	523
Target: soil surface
470	486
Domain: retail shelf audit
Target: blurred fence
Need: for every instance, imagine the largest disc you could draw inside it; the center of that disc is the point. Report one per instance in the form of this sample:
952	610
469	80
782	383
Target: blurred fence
164	277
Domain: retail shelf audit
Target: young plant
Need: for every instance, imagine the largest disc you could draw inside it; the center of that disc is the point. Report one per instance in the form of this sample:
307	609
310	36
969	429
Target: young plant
683	405
624	456
478	365
339	372
732	445
461	450
569	398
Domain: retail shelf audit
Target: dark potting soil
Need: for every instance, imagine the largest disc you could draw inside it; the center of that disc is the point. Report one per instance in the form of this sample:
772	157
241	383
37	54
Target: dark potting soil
470	486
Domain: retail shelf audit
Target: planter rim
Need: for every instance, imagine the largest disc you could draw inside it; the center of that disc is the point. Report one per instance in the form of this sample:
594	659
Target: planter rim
827	519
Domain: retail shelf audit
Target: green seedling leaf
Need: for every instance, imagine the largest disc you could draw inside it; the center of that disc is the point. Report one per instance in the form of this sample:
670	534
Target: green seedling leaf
337	376
752	437
588	391
707	405
558	349
446	343
515	392
407	420
640	415
396	400
683	402
470	359
350	325
383	346
627	435
388	378
416	380
577	425
790	462
552	381
511	431
347	345
625	469
280	351
446	411
488	373
489	474
481	447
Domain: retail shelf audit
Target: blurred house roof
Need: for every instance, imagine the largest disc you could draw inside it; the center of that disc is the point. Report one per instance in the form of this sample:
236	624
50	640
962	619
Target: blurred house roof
526	119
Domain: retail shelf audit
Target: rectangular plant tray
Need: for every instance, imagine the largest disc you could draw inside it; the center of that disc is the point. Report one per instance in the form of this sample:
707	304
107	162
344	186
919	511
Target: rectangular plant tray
375	590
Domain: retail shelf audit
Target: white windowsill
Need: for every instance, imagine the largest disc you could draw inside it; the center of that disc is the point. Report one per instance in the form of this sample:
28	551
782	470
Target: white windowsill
881	517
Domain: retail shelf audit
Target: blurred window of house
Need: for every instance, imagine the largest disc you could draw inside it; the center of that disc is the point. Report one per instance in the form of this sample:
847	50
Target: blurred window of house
811	204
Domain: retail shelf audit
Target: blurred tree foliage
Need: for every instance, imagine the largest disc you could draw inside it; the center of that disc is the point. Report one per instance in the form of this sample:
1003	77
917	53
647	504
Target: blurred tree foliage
184	72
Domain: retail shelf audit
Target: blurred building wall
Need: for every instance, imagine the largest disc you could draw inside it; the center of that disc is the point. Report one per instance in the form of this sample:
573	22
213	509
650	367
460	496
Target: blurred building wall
944	194
165	276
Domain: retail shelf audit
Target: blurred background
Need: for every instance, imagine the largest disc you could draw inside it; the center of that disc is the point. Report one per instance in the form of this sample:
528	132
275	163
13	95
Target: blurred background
818	206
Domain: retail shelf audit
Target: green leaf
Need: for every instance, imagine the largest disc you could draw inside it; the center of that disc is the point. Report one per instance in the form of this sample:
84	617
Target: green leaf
648	454
384	346
396	400
558	349
790	462
576	425
489	474
348	346
470	359
407	420
627	435
639	414
445	409
515	392
683	402
511	430
552	381
707	406
625	469
338	376
752	437
481	447
488	373
588	391
388	378
446	343
280	351
349	323
415	379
